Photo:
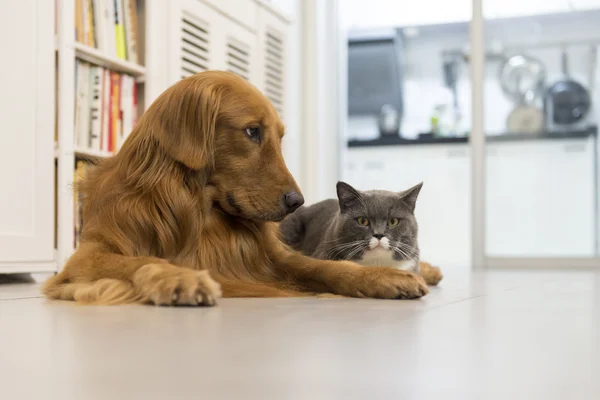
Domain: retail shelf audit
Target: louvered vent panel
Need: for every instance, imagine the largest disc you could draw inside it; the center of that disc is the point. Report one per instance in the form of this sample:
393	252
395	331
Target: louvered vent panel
195	46
274	53
238	58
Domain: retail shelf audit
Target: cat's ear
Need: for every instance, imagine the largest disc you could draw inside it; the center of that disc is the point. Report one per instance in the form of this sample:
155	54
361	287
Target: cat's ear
347	196
409	196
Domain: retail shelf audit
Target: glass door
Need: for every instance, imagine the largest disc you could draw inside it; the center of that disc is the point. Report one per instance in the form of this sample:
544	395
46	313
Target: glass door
534	141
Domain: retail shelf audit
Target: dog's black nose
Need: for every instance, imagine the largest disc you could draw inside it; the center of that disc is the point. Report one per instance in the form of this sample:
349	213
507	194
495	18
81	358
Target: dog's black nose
292	201
378	235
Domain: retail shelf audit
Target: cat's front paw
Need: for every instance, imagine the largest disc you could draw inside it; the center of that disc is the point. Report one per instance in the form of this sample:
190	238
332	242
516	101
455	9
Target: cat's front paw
389	283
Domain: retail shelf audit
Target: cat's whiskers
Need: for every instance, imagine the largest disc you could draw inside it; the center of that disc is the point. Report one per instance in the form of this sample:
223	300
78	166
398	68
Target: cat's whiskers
402	245
339	247
335	250
355	251
405	250
333	253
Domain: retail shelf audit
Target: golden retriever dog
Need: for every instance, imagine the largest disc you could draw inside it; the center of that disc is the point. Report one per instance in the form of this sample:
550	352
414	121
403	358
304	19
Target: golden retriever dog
186	212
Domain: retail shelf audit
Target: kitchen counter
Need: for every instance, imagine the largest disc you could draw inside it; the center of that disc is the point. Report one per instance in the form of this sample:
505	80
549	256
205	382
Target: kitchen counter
507	137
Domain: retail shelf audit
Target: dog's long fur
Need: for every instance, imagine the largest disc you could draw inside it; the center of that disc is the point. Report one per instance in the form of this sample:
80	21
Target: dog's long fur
186	211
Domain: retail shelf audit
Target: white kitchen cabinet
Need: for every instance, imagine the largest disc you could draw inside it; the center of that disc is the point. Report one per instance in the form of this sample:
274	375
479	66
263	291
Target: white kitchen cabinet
540	199
443	208
540	195
26	141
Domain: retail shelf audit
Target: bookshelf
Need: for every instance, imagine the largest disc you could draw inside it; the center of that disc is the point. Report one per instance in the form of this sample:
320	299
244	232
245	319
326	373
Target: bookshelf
101	75
42	106
82	152
96	57
247	37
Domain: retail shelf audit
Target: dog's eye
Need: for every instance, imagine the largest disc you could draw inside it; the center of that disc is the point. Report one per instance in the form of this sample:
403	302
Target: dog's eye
253	133
362	221
393	221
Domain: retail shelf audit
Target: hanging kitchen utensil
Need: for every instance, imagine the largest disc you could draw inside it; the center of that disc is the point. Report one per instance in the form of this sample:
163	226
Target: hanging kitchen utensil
567	102
450	69
522	80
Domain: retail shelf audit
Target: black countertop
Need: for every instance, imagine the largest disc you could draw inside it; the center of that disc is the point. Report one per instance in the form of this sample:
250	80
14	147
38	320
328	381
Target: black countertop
507	137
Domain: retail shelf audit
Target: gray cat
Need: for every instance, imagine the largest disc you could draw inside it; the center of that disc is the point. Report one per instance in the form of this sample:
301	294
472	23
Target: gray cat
372	228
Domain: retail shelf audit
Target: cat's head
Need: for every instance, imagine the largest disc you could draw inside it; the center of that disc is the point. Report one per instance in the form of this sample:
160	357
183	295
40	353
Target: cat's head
380	224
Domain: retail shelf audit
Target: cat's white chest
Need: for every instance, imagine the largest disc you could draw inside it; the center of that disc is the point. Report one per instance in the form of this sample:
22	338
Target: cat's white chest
380	257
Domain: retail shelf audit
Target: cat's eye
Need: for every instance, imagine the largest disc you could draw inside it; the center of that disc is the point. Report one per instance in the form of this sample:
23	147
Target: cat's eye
253	133
393	221
362	221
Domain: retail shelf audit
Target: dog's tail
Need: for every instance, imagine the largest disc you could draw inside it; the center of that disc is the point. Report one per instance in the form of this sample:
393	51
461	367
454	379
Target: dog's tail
100	292
251	289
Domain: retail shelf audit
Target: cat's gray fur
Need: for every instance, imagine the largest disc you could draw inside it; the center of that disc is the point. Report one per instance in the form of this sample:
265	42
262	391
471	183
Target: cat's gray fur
329	229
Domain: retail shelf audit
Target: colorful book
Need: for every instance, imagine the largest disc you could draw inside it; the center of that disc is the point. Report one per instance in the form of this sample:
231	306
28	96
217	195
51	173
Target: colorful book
120	30
109	17
131	29
116	109
79	24
82	105
106	83
127	84
96	74
135	106
99	24
89	21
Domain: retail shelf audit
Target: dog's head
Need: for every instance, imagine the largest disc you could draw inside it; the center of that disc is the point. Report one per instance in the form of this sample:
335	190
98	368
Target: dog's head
219	123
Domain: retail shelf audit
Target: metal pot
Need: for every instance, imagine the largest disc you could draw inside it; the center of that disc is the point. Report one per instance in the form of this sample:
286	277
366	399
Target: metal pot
567	101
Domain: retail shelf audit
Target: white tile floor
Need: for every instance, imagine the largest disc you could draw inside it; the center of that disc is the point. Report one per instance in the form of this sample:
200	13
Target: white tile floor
495	335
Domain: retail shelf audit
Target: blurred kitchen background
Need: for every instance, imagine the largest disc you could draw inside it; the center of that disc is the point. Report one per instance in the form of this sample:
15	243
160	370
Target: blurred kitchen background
410	111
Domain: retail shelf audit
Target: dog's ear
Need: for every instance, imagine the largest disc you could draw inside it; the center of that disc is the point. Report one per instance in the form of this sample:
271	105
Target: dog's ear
184	121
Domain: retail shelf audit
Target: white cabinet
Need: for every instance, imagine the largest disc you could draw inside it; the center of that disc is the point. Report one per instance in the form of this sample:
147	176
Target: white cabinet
26	140
241	37
243	12
540	195
540	199
201	38
273	44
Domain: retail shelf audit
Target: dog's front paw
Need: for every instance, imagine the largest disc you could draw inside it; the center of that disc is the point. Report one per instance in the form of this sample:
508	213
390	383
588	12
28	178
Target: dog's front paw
432	275
388	283
169	285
